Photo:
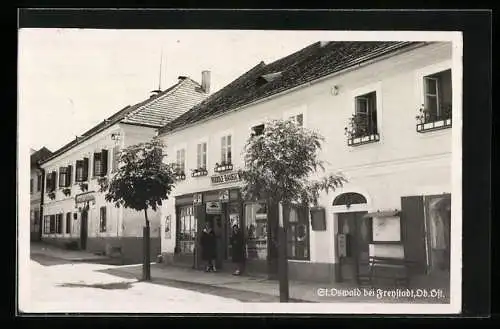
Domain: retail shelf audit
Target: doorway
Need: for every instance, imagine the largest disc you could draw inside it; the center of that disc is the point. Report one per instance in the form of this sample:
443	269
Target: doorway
438	214
353	239
219	226
84	230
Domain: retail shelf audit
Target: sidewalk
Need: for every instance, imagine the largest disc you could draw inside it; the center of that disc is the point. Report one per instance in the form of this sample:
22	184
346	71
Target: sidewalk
40	248
232	285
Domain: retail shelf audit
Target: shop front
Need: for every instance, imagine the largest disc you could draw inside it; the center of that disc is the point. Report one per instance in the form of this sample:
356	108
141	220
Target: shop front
223	207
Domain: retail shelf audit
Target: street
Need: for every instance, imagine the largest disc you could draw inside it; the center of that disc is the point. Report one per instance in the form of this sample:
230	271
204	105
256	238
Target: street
66	287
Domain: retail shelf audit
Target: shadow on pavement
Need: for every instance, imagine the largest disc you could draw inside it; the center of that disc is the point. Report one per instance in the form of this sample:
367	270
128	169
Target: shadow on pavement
107	286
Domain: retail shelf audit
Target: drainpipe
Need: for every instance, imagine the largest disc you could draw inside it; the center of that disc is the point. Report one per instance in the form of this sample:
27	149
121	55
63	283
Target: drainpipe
42	197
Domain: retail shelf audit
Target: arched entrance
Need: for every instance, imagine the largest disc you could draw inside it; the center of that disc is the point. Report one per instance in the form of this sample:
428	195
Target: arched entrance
354	234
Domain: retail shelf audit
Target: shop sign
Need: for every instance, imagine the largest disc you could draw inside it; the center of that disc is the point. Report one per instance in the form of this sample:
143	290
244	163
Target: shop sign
213	207
224	196
197	199
225	178
84	197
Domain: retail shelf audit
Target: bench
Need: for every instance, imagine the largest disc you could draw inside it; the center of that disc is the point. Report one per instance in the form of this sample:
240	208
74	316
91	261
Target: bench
391	269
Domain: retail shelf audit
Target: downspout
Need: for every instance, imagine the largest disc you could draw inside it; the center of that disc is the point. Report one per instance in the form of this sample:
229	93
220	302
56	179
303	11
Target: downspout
42	197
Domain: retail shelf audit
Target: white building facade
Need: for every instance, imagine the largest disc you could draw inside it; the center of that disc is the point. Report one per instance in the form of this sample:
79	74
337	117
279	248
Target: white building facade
76	214
396	203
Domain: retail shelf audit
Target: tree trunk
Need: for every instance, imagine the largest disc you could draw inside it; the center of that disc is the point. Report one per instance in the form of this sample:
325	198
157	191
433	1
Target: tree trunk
146	262
283	257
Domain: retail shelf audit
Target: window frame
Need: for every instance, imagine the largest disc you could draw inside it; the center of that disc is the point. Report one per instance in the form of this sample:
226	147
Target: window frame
180	230
295	111
245	229
203	155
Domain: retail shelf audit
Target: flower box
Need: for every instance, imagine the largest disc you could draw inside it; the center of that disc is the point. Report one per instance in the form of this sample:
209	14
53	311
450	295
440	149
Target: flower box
223	167
199	172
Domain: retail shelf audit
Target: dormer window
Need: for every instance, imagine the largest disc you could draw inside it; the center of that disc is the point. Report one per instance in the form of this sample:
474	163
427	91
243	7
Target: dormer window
265	78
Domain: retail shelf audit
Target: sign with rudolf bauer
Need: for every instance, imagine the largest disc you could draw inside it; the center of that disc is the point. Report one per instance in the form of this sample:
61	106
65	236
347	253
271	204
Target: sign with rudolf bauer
225	178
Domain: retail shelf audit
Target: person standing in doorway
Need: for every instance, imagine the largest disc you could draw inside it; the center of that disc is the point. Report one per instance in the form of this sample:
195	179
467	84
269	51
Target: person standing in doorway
237	249
208	247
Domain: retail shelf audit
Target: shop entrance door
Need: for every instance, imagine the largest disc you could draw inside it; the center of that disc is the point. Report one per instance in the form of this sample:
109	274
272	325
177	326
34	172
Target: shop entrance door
219	226
353	240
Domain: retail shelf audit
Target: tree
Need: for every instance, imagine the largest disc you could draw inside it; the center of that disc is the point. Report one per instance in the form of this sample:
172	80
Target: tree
279	166
141	182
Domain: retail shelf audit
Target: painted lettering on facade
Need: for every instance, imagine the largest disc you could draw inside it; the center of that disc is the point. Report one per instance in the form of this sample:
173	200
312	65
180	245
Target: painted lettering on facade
225	178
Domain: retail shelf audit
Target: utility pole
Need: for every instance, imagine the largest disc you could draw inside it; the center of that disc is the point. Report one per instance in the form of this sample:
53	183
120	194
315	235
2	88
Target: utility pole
282	254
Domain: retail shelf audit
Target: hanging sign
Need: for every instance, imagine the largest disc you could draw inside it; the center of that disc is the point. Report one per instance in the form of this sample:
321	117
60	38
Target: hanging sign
84	197
224	196
197	199
214	207
225	178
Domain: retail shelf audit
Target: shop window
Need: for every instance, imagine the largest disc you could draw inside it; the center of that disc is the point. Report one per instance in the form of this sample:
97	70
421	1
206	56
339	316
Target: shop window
256	230
186	229
102	219
298	233
48	224
68	223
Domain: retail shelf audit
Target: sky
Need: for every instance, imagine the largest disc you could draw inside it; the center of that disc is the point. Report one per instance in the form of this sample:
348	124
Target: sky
72	79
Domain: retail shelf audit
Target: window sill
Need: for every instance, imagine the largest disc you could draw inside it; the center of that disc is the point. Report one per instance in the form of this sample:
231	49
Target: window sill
356	141
224	168
433	126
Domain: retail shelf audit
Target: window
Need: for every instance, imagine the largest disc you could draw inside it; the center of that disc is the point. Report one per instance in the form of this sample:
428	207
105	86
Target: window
102	219
48	224
181	161
64	176
366	114
31	186
51	181
101	163
201	156
68	222
256	230
298	233
59	223
298	119
258	130
39	183
116	158
437	96
186	229
82	170
226	149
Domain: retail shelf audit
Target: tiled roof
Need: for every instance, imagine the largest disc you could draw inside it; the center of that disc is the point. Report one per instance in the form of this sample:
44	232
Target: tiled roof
155	111
39	155
308	64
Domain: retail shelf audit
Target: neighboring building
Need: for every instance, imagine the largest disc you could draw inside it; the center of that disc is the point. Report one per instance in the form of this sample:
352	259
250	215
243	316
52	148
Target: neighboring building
36	188
76	213
397	201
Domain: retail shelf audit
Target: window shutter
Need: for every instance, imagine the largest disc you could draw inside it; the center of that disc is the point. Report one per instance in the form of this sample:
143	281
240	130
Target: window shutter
69	173
413	232
97	158
85	169
104	162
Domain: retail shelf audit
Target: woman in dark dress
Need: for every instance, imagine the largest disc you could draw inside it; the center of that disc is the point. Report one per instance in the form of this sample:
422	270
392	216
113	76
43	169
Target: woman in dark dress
237	249
208	247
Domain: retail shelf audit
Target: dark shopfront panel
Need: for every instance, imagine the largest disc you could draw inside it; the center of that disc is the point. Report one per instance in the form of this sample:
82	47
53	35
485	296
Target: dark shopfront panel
253	217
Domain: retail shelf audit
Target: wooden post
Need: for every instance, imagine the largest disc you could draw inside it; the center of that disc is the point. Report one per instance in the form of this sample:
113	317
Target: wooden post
146	265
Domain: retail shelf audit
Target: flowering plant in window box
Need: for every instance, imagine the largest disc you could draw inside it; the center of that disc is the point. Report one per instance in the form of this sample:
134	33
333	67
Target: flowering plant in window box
66	191
428	121
52	195
84	187
180	175
223	166
199	172
359	132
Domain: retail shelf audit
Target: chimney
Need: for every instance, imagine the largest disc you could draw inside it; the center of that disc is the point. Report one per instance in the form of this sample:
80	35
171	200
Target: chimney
205	81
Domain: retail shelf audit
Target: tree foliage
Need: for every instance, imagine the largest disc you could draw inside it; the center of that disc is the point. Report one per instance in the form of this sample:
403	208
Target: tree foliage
279	164
142	180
